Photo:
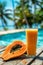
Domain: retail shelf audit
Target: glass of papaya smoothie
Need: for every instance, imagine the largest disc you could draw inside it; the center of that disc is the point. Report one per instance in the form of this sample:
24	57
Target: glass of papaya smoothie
31	41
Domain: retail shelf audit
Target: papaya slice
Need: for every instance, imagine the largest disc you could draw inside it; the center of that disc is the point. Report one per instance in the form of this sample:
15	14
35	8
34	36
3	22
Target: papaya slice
12	51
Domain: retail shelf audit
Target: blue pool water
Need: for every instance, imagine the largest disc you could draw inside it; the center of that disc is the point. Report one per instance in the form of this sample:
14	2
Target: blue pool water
8	38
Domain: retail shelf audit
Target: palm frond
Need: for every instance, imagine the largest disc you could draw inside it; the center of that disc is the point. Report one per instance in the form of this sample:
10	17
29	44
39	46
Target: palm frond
9	17
8	10
17	2
4	20
8	14
33	1
18	7
2	5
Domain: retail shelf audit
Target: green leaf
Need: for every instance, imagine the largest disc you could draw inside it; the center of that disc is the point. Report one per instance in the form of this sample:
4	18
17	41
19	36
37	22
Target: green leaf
8	10
4	20
8	17
17	2
2	5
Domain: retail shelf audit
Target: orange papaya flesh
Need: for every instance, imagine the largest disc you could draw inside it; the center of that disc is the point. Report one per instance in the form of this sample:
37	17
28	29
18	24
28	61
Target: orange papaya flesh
9	54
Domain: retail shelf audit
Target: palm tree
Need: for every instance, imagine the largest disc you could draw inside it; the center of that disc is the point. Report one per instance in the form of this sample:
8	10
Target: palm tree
4	13
35	3
23	9
23	14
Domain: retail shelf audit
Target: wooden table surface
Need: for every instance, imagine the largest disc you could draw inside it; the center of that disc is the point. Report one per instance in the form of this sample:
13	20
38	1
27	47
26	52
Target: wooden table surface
24	60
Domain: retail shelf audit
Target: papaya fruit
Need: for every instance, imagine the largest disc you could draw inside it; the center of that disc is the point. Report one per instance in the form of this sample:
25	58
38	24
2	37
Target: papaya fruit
12	51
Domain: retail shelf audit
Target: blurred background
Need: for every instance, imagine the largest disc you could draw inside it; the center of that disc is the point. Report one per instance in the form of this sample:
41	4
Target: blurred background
21	14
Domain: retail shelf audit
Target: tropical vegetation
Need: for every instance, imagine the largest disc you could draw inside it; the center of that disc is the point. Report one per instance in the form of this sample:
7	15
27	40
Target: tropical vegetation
23	13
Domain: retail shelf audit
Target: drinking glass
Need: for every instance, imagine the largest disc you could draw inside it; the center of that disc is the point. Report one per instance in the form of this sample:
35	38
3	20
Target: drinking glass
31	38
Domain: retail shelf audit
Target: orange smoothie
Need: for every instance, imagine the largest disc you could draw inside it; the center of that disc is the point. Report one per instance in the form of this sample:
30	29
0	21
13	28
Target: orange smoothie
31	37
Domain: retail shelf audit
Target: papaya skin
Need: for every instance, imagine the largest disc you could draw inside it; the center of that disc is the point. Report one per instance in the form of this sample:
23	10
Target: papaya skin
6	55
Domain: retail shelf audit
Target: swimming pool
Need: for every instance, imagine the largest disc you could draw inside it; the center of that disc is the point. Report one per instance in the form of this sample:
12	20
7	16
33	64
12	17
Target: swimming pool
8	38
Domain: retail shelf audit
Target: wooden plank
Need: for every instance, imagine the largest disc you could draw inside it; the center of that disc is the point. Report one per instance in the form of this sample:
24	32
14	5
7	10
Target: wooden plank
24	60
37	62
